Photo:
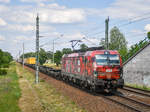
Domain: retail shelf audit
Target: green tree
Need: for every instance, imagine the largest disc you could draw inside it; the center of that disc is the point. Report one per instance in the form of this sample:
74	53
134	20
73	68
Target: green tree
42	56
8	55
49	54
148	35
29	54
5	59
66	50
102	42
83	47
1	59
118	41
58	56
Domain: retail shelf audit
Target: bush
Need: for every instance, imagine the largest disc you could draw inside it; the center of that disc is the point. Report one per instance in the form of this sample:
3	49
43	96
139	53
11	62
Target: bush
5	59
6	65
3	72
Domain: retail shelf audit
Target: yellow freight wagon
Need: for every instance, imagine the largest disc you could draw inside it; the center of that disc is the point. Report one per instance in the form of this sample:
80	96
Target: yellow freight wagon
31	60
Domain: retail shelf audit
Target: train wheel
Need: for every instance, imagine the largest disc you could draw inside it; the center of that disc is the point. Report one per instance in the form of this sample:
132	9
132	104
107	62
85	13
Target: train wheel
82	84
93	88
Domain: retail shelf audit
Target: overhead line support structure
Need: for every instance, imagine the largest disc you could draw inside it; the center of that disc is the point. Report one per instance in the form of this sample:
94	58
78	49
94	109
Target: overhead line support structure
74	43
23	56
106	33
37	50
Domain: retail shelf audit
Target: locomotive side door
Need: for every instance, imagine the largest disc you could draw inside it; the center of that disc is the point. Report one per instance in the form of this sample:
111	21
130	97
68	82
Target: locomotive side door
89	66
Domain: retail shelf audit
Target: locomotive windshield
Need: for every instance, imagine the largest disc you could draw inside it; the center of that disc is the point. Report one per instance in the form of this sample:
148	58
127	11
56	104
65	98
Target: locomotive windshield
107	59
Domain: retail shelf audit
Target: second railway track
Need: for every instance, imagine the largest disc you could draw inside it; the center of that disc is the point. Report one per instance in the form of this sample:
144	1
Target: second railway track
138	91
129	103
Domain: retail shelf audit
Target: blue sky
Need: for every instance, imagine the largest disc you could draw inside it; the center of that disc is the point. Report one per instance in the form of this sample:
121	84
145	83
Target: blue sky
74	19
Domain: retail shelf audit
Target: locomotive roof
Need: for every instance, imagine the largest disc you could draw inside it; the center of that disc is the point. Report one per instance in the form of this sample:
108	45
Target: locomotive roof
90	53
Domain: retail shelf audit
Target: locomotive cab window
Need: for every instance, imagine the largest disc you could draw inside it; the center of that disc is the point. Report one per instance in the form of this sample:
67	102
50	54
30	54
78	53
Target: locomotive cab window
107	59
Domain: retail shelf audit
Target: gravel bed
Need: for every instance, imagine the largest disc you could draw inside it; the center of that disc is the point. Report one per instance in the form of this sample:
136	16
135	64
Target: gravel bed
85	100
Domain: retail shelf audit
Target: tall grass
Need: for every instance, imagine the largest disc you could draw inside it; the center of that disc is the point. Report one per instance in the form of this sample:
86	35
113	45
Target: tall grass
9	91
139	86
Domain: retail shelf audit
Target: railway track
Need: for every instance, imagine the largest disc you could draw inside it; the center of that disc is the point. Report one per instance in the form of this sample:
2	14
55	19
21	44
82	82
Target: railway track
129	103
122	100
137	90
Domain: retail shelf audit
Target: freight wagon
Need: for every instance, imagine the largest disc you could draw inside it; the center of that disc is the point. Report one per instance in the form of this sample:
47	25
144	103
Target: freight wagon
31	60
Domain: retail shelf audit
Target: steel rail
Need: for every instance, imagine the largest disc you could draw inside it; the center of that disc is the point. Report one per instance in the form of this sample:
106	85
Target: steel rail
148	91
131	99
144	94
122	104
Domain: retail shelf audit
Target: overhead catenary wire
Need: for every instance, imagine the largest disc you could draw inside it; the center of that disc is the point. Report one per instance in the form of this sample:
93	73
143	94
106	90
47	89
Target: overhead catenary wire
89	41
130	21
92	29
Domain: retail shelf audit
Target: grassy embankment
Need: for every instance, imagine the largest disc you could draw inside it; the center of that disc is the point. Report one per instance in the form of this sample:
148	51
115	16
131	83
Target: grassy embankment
48	97
9	90
139	86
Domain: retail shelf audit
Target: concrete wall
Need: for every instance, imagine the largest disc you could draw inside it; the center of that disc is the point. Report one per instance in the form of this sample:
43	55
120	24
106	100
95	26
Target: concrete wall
137	70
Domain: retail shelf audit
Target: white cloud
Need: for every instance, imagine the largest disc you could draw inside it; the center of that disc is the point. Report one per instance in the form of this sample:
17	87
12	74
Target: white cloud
3	9
50	13
53	13
22	38
21	15
123	9
37	1
22	28
2	38
2	22
73	36
91	41
5	1
147	27
55	6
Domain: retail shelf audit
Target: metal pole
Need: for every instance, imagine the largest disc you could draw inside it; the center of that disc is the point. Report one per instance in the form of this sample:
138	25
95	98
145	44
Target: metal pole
106	33
23	55
53	51
18	60
19	54
37	50
54	47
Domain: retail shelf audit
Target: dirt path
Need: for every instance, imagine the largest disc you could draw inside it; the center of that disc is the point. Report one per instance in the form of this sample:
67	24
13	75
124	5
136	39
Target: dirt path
42	97
29	101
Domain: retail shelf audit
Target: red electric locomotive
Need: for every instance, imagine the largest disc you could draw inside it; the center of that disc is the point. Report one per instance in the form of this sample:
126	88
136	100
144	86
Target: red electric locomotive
99	70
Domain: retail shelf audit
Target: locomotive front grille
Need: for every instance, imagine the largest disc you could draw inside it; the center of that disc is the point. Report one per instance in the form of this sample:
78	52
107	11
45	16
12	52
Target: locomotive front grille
108	76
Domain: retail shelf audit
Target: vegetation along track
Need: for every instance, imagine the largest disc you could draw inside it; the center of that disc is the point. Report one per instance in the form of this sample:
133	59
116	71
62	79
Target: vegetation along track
129	103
